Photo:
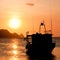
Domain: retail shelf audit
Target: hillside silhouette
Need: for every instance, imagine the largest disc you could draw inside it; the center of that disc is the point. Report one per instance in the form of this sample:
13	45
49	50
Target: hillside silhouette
6	34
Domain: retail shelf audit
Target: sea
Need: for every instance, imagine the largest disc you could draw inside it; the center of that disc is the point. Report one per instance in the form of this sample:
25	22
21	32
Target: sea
14	49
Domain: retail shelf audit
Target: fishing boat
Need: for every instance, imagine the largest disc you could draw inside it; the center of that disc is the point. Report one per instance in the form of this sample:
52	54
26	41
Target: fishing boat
40	44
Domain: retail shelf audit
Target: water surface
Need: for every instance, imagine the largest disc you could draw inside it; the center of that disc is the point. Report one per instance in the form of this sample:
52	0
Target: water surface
14	49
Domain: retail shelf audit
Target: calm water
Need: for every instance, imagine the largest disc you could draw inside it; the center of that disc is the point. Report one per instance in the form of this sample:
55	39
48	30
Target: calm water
14	49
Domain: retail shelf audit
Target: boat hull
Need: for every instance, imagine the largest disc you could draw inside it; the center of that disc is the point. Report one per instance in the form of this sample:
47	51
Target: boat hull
40	51
42	45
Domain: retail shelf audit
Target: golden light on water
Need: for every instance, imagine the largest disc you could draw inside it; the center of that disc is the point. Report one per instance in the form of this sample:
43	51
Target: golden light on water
13	58
15	52
14	46
14	22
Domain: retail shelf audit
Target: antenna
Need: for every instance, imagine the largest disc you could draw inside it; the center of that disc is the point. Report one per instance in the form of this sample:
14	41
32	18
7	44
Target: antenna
33	26
50	10
51	26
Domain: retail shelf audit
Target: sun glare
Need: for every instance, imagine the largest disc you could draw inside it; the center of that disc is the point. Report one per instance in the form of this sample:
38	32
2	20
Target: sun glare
14	22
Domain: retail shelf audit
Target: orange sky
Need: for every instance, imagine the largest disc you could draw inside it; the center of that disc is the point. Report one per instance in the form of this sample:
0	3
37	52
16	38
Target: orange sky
42	10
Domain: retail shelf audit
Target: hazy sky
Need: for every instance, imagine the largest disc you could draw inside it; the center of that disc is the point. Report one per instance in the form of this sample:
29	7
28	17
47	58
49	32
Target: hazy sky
31	15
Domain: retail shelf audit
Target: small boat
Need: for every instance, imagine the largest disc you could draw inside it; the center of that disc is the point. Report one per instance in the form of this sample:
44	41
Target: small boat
40	45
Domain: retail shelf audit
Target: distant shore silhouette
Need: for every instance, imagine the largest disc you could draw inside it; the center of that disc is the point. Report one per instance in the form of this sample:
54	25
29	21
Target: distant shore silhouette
6	34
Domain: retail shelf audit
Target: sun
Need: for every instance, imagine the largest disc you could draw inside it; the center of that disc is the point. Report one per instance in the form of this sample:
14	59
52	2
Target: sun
14	22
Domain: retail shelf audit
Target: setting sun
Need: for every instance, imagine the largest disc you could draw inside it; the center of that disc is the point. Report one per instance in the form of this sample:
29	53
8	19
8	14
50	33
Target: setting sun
14	22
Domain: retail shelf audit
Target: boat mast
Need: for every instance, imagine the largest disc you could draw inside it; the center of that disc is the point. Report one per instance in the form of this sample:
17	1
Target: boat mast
51	26
50	10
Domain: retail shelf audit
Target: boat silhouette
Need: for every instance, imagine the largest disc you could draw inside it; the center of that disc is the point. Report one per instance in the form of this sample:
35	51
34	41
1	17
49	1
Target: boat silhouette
40	45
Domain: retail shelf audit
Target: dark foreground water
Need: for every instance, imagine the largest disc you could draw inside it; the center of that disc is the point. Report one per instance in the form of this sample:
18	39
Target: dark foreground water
14	49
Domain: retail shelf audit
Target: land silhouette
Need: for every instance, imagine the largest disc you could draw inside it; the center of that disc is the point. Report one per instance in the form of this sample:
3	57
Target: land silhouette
6	34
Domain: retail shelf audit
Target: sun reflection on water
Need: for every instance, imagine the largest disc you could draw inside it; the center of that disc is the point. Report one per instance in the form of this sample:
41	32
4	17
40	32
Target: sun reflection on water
16	51
13	58
14	46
